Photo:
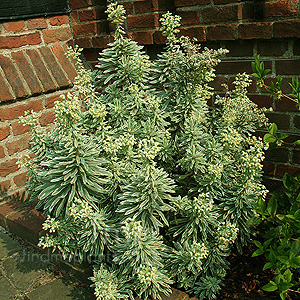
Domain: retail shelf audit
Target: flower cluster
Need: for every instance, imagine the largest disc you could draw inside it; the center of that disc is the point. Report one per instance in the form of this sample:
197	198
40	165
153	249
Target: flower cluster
226	235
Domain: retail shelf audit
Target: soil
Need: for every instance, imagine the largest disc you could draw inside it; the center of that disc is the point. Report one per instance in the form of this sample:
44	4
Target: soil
245	279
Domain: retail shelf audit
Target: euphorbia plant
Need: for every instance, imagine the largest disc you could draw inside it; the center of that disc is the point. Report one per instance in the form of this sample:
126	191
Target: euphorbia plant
142	176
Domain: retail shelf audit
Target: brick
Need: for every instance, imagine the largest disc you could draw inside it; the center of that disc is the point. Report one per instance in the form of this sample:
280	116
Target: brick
285	168
159	38
4	132
281	120
74	17
18	145
83	42
19	128
217	83
59	20
240	48
42	72
38	23
12	76
234	67
269	168
296	47
91	54
277	155
8	167
144	21
20	179
189	17
57	35
50	101
6	95
220	14
288	67
14	26
262	100
286	29
103	27
13	112
66	64
282	8
224	1
87	15
272	48
297	122
143	37
100	41
181	3
27	223
75	4
4	186
145	6
54	67
256	30
296	156
2	153
221	32
128	7
16	41
285	104
197	32
27	72
47	118
85	29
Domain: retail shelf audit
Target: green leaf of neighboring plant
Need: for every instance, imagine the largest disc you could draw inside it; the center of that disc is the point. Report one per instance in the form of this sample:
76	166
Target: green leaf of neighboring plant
272	129
267	266
270	287
269	138
282	136
272	206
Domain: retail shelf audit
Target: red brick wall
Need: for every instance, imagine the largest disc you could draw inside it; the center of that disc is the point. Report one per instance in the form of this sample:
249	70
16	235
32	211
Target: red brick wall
33	73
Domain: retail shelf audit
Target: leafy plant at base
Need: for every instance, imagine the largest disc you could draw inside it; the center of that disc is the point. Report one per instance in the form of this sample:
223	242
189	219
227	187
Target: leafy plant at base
143	178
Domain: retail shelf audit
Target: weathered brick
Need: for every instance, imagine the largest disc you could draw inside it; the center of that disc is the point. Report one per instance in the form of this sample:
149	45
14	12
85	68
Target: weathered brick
56	35
54	67
87	15
286	104
91	54
83	42
269	168
4	186
75	4
20	179
85	29
189	17
12	76
285	168
74	17
50	101
221	32
143	37
258	30
18	145
281	120
100	41
38	23
297	122
144	21
145	6
234	67
288	67
27	72
159	38
59	20
224	1
277	155
5	92
2	153
47	118
19	128
181	3
272	48
8	167
240	48
16	41
4	132
197	32
41	70
262	100
14	26
66	64
282	8
103	27
128	7
220	14
286	29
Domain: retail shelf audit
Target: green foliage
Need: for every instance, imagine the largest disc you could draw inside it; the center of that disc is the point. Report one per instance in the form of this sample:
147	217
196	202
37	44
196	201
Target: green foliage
141	176
280	229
